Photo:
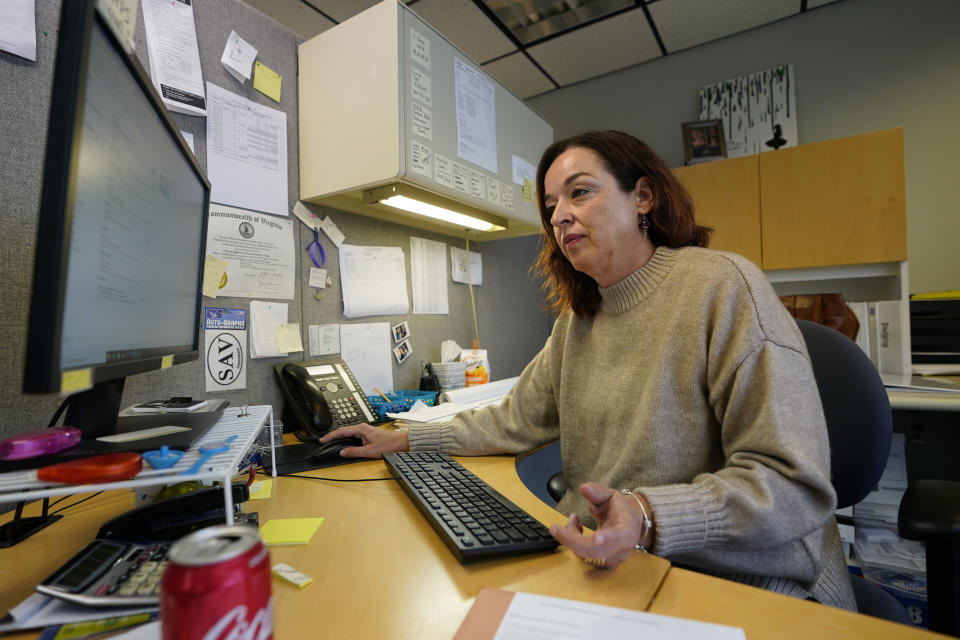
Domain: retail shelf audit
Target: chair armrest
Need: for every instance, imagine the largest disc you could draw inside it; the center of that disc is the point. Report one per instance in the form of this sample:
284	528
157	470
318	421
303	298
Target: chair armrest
930	510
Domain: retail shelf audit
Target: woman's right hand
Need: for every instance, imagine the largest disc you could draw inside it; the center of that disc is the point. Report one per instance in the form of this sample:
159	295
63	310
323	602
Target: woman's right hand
376	441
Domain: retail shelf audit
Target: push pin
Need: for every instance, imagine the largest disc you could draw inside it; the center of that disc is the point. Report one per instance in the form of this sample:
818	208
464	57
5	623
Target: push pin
243	412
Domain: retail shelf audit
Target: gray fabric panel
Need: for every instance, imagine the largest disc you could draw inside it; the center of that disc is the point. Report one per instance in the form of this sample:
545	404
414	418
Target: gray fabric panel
512	327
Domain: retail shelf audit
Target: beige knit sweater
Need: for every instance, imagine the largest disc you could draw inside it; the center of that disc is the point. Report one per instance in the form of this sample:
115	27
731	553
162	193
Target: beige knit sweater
692	386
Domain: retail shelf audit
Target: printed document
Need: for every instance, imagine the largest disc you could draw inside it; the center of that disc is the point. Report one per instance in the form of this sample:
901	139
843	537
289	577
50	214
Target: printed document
174	55
374	282
238	57
246	152
458	266
265	318
428	271
18	28
366	350
476	117
258	249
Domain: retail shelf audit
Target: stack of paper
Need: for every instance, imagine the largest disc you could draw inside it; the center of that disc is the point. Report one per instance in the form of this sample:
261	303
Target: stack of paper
480	395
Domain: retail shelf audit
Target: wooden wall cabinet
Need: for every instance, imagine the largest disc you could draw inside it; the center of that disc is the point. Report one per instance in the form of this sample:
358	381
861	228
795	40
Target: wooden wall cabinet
838	202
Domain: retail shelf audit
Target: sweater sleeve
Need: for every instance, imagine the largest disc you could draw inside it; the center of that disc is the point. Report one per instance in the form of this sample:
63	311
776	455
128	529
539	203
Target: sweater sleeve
524	420
773	488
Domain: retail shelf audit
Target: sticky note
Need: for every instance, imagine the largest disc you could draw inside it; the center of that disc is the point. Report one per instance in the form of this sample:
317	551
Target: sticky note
76	380
166	362
291	575
288	337
290	530
261	489
267	81
214	275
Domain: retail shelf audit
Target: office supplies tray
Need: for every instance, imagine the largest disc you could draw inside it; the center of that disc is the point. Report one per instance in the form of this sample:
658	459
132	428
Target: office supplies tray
243	425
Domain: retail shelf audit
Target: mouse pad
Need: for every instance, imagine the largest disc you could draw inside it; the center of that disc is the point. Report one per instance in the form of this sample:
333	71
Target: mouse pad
294	458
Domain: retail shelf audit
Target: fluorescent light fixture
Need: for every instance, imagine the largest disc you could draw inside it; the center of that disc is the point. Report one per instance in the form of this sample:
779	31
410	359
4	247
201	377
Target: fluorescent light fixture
438	208
431	211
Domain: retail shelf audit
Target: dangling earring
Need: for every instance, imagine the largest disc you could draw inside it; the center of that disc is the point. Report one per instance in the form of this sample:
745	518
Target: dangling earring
644	222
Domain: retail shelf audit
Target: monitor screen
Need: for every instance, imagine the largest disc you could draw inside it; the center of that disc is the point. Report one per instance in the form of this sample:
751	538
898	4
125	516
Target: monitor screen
121	233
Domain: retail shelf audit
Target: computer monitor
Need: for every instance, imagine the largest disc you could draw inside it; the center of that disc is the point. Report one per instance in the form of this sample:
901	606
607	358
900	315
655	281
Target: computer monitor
121	233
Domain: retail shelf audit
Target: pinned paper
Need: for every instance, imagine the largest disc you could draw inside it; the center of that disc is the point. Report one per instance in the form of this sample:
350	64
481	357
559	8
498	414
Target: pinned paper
306	216
529	188
290	530
318	278
238	57
267	81
333	232
261	489
288	337
214	275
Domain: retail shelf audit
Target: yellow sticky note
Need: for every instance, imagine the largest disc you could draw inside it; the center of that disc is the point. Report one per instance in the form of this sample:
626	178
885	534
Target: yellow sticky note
529	189
214	275
261	489
267	81
290	530
76	380
166	362
288	337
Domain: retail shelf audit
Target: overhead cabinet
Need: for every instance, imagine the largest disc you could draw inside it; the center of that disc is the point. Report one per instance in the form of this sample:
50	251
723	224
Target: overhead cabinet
389	107
838	202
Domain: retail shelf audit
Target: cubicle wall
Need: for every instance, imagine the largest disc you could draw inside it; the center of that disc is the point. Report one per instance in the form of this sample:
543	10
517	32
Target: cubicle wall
512	325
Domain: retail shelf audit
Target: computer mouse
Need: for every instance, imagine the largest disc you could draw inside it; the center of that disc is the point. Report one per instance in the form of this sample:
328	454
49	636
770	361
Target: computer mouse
330	451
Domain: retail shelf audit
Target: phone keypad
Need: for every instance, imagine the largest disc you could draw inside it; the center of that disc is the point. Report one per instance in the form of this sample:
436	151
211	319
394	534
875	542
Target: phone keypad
345	410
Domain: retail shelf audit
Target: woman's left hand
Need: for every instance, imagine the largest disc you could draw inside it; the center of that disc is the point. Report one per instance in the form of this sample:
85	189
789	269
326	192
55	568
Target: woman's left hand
618	531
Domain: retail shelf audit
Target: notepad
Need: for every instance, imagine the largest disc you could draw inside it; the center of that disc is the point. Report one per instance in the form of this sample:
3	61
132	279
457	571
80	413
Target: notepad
290	530
261	489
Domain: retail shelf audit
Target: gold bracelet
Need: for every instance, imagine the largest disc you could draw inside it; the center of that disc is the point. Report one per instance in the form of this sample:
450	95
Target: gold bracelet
646	524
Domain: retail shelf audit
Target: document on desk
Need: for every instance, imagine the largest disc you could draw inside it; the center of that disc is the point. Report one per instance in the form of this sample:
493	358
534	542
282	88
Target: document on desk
174	55
366	350
246	152
258	249
505	615
374	281
42	611
428	272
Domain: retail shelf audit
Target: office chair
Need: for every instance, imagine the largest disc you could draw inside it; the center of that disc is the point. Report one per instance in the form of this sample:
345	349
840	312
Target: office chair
859	426
930	513
860	429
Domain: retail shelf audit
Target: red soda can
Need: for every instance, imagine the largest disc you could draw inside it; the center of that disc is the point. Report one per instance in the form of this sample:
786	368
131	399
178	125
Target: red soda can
217	586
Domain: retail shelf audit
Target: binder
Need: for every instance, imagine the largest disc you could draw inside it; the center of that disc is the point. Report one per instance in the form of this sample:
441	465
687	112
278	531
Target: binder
889	337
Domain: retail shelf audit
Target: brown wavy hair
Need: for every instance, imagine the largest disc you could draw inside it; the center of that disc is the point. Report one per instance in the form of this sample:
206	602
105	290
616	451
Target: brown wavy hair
627	159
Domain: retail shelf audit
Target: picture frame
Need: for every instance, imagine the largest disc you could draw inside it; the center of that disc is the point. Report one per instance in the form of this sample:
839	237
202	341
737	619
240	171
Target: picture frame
403	351
400	332
703	141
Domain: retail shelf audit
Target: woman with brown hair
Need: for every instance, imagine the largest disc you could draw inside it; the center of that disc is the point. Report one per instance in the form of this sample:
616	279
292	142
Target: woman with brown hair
679	387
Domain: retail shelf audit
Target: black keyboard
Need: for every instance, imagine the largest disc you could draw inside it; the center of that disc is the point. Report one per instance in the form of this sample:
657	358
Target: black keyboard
475	521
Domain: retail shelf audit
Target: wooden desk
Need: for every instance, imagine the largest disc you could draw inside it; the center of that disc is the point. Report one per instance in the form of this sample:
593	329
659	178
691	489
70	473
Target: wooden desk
764	615
379	570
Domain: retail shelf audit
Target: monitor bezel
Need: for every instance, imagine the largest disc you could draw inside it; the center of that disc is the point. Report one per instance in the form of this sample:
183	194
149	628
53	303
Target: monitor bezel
42	370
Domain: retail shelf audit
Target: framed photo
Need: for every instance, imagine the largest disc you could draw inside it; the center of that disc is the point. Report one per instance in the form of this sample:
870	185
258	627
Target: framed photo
402	351
703	141
400	332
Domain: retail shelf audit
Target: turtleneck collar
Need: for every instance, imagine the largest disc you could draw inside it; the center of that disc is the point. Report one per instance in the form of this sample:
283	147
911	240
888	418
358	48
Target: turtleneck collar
632	290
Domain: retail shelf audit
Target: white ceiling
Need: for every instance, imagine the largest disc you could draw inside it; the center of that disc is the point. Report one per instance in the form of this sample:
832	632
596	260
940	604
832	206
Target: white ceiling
642	31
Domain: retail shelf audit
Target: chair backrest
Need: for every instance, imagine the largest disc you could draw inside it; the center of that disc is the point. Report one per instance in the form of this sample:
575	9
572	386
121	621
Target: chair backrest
857	410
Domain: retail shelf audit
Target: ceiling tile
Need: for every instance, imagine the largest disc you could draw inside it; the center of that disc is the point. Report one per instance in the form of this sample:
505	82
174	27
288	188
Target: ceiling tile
599	48
295	15
518	74
468	28
687	23
341	10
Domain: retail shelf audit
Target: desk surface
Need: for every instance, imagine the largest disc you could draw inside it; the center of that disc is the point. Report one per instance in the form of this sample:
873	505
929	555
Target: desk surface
380	571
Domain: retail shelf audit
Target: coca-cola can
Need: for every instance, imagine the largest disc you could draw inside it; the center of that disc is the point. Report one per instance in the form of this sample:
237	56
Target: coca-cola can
217	586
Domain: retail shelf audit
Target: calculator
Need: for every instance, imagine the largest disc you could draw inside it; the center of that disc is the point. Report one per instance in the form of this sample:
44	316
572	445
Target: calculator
110	573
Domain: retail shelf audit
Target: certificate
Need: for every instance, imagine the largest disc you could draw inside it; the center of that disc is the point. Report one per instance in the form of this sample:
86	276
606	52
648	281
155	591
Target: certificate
258	249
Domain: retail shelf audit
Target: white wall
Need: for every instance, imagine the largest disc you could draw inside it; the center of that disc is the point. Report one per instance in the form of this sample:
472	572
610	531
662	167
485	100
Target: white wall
860	65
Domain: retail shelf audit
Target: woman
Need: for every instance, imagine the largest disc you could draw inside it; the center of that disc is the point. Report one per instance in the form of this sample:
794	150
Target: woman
673	374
